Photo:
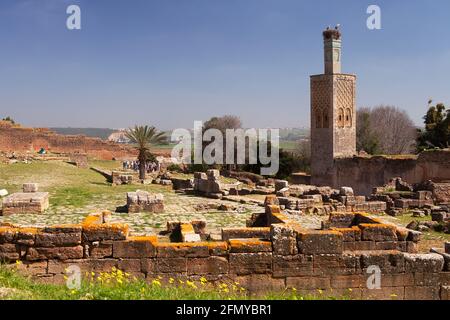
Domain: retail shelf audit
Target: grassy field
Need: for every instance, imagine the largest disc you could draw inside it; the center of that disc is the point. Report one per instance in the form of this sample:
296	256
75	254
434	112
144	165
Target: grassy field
76	192
117	285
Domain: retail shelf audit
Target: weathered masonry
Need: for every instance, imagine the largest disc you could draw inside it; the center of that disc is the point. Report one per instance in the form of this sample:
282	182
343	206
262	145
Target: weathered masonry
334	160
272	253
333	109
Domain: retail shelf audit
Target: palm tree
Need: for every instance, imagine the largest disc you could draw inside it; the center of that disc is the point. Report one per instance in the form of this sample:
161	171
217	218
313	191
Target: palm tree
144	137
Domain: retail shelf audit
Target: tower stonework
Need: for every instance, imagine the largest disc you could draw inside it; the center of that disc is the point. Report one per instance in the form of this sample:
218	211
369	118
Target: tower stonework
333	113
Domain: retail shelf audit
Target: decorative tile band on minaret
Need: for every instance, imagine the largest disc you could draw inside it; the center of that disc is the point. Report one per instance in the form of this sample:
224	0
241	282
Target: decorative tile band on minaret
333	112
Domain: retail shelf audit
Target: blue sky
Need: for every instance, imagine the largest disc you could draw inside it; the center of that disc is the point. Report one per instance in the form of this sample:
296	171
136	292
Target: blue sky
170	62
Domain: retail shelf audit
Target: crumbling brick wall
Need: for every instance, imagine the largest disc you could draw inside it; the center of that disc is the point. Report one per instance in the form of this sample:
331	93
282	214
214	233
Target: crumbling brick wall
20	139
364	173
287	256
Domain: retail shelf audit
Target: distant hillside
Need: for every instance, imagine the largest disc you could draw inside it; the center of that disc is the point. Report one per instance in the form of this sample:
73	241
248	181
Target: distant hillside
102	133
293	134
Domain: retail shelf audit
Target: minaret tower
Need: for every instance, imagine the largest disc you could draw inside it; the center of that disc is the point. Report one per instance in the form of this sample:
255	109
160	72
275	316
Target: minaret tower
333	112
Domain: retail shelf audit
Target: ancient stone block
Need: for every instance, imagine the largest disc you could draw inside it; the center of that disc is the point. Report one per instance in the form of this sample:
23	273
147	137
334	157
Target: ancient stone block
336	264
346	191
388	245
389	261
348	281
30	187
27	268
7	234
130	265
284	239
188	233
60	253
421	293
280	184
58	237
246	263
19	203
9	252
402	233
106	231
341	219
311	242
260	283
249	245
397	280
135	247
210	265
102	249
349	234
364	246
171	265
174	250
414	236
213	174
200	175
431	262
26	236
143	201
378	232
424	279
240	233
148	266
292	265
312	283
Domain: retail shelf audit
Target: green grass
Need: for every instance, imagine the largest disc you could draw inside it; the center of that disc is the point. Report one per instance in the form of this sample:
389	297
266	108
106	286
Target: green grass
116	285
67	184
429	238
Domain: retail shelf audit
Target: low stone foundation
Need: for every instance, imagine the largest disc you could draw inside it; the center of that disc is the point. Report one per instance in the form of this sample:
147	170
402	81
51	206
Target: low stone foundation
28	201
143	201
278	257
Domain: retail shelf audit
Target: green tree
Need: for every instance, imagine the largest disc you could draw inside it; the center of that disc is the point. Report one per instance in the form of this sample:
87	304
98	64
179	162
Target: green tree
366	139
143	137
9	119
436	133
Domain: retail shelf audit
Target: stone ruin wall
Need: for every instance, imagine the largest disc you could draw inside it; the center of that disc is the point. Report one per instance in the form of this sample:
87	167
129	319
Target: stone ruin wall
364	173
279	255
21	140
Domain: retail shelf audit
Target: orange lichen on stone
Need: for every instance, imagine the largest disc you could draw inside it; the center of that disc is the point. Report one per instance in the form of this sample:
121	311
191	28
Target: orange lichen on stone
209	244
363	226
152	239
107	226
29	230
249	245
402	234
307	233
5	229
92	219
274	209
7	234
366	216
187	228
349	234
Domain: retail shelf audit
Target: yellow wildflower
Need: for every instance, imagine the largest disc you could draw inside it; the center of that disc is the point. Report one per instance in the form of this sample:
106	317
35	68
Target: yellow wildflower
156	282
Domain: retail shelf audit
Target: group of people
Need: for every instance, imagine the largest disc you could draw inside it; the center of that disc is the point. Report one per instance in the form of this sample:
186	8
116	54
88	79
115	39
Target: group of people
134	165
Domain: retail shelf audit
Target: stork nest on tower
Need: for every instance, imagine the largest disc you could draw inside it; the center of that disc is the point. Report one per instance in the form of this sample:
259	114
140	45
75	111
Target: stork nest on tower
334	34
